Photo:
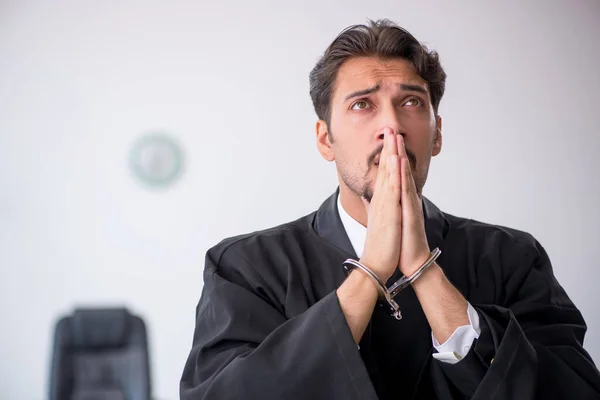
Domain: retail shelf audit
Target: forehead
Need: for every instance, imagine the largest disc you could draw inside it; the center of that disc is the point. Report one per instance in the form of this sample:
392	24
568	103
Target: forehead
362	72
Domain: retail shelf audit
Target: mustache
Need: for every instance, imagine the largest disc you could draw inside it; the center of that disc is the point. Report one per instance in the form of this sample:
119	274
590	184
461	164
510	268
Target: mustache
371	159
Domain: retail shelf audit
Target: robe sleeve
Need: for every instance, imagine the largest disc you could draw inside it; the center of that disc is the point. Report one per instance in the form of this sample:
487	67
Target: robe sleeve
244	346
531	346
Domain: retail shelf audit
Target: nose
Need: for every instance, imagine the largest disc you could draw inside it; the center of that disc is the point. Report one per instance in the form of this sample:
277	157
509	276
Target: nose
389	130
389	121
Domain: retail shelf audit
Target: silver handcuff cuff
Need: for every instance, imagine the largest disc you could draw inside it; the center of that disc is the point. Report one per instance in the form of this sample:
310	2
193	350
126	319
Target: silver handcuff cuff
386	293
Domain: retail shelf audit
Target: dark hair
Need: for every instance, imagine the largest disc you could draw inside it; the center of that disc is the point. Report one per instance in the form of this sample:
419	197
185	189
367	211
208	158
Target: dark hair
383	39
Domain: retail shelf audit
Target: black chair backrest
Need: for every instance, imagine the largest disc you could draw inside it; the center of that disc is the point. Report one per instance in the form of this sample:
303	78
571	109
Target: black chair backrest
100	354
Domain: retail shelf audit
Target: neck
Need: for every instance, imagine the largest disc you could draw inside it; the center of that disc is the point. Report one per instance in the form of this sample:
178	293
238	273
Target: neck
353	205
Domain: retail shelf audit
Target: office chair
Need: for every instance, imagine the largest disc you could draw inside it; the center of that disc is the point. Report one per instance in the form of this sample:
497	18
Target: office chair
100	354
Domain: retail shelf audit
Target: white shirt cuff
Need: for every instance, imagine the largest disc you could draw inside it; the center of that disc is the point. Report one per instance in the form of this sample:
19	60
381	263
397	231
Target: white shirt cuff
459	343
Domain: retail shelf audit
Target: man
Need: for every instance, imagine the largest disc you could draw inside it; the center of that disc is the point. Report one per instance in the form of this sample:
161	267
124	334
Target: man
281	318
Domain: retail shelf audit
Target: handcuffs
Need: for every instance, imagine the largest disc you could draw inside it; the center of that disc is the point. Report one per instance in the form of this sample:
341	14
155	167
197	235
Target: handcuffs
386	293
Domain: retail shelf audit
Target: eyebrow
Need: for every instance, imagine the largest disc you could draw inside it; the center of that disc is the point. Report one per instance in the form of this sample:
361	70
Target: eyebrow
404	86
413	88
362	92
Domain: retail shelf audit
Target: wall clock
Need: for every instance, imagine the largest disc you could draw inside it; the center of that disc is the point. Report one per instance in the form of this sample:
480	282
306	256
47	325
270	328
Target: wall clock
156	160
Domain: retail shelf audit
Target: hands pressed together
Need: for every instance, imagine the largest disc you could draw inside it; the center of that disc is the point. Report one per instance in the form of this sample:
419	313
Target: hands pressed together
396	239
395	230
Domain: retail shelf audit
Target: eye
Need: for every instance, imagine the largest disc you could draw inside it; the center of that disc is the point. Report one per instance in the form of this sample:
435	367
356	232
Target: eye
414	101
360	105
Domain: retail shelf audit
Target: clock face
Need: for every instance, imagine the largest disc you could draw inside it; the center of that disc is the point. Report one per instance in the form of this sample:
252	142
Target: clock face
156	160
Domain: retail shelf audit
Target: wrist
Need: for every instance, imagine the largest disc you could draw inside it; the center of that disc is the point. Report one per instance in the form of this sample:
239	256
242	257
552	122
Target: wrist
434	276
363	283
414	266
357	294
367	263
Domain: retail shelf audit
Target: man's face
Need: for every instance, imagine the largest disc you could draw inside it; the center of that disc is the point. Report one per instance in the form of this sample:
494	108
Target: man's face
371	94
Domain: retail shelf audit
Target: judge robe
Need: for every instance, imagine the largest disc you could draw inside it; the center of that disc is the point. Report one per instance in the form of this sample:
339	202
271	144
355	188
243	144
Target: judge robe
269	324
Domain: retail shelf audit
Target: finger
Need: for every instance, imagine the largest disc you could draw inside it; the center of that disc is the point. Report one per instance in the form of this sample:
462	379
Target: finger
404	180
381	172
383	169
407	207
393	141
383	159
409	193
403	154
394	178
398	154
401	147
388	143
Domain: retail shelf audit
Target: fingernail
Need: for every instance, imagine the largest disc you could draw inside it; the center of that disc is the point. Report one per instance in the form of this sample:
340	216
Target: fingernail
390	137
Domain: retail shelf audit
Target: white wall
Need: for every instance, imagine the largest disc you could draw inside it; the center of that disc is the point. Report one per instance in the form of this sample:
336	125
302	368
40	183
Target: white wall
79	81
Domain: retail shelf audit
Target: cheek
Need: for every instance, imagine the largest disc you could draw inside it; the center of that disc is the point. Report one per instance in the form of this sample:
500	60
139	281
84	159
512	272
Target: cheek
353	160
349	127
351	140
356	121
419	121
420	133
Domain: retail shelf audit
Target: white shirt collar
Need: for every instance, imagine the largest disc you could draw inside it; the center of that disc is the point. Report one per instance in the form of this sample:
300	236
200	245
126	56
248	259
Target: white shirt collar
356	232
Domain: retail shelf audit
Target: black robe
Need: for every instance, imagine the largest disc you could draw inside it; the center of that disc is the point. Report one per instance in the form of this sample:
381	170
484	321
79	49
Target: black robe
269	324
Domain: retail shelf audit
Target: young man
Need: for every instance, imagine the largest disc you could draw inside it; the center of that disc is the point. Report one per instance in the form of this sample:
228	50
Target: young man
280	317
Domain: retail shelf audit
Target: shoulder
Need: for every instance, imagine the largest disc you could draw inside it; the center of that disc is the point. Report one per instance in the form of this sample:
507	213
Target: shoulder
496	259
247	244
497	236
258	261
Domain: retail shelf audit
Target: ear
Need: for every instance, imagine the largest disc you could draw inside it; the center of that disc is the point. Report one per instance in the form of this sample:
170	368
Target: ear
437	141
324	141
